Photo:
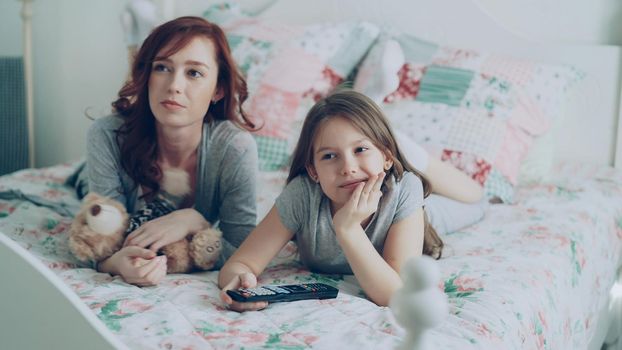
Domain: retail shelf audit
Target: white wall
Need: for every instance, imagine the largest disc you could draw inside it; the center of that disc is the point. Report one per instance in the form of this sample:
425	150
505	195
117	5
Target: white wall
80	58
10	28
79	62
592	21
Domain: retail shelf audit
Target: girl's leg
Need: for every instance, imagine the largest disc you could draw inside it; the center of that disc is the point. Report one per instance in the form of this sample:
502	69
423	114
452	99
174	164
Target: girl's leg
448	215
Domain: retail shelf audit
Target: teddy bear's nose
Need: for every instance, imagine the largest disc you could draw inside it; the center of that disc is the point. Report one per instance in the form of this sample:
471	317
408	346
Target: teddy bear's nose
96	209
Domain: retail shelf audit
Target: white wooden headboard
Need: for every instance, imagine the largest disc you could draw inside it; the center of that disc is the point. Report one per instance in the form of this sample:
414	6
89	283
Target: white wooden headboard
591	125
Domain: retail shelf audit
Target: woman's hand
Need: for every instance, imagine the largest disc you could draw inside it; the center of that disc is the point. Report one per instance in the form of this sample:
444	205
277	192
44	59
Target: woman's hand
362	203
167	229
136	265
243	280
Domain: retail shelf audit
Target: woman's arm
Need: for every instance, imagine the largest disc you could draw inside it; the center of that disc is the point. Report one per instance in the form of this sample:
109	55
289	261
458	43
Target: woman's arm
103	163
450	182
167	229
249	261
238	189
135	265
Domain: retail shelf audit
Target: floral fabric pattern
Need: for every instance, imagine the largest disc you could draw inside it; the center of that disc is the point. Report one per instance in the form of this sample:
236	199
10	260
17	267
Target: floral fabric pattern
533	275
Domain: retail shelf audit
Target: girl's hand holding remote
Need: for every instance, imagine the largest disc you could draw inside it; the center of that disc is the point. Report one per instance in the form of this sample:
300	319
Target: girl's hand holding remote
243	280
362	204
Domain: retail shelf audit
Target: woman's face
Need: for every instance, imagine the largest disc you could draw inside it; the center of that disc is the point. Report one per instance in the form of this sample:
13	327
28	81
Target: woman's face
182	86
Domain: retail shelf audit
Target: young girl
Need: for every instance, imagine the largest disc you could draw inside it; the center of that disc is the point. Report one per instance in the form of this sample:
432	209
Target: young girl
352	201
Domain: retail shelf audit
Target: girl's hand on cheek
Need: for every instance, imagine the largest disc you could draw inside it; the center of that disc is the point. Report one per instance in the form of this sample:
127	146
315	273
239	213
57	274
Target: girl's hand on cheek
362	203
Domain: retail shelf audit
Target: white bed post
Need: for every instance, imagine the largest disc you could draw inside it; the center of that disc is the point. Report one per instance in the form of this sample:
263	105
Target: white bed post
617	162
30	113
419	305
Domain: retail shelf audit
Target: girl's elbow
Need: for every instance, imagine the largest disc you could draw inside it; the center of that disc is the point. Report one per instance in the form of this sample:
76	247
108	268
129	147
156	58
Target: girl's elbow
383	302
384	297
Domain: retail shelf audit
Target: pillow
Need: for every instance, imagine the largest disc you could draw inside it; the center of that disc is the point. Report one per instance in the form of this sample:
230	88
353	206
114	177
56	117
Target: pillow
536	167
479	111
288	68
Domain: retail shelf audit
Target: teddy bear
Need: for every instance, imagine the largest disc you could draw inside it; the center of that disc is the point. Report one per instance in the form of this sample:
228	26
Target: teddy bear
101	225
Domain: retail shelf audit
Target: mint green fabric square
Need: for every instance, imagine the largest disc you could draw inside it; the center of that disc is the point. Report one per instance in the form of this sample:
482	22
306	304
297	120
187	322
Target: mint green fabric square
444	85
273	153
497	185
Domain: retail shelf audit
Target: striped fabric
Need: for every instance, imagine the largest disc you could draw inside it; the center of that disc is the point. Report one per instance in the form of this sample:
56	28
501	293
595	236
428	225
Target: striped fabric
444	85
13	124
274	153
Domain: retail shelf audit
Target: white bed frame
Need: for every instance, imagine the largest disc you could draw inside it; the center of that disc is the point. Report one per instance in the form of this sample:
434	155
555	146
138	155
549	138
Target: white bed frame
67	323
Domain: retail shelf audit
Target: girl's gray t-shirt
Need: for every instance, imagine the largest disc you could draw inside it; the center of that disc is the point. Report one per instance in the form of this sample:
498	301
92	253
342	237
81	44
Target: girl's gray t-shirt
305	210
226	175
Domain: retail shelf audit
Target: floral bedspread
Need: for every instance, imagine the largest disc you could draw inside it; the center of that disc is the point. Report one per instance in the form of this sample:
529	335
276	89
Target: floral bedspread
533	275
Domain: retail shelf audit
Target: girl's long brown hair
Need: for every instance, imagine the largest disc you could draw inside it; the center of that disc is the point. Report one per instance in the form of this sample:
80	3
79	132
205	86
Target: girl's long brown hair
139	145
366	116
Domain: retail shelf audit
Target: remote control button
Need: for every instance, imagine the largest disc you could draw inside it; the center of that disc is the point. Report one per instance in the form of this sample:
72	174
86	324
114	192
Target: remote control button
277	289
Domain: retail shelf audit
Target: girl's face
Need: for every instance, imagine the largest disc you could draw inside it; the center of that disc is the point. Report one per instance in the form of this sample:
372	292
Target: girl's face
182	86
342	158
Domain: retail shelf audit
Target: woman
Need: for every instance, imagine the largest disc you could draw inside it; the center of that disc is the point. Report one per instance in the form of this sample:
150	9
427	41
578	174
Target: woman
181	109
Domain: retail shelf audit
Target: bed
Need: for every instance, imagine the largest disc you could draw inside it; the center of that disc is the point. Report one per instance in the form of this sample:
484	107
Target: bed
539	272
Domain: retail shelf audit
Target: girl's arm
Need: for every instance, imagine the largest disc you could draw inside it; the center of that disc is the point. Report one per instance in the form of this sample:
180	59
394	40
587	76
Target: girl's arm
249	261
450	182
379	275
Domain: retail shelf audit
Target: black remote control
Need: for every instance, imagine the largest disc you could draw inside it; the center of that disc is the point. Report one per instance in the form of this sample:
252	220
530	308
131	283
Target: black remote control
290	292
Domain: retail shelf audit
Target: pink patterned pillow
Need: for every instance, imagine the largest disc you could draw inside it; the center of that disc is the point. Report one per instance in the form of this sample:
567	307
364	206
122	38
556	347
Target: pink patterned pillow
288	68
480	111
